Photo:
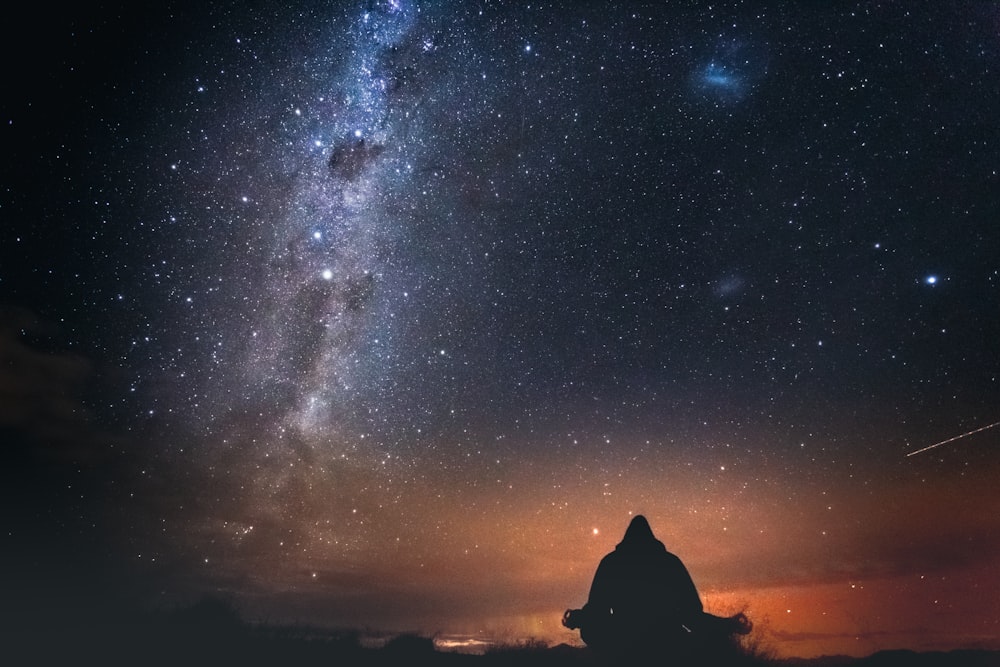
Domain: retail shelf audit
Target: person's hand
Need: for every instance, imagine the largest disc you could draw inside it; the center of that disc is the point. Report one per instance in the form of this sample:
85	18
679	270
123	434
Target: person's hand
742	624
571	619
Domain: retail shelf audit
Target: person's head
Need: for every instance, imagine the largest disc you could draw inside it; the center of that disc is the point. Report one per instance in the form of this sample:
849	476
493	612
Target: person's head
638	530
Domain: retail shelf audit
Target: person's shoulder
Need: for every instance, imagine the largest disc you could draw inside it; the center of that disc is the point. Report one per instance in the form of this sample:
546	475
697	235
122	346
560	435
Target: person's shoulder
672	557
611	557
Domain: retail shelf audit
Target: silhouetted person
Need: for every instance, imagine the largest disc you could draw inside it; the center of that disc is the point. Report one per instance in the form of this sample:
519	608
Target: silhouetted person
643	603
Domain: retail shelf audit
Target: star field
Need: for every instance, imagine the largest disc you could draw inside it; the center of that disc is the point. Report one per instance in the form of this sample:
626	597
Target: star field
390	314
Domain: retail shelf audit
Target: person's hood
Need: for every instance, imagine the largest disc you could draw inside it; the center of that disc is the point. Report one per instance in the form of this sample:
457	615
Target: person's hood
639	536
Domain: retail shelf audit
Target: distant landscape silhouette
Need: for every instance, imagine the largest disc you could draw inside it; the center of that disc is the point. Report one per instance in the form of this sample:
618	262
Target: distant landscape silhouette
93	625
211	631
644	608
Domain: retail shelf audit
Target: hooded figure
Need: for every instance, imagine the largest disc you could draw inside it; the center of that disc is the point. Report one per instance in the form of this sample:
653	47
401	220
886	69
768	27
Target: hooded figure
641	594
643	603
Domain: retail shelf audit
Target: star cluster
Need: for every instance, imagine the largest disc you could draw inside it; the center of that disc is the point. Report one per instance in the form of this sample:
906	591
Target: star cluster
398	310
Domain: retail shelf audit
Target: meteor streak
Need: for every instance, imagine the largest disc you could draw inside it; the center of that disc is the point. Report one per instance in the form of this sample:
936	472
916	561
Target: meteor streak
945	442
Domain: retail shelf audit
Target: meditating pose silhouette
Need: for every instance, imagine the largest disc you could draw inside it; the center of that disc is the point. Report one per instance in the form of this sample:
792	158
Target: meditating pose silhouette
643	604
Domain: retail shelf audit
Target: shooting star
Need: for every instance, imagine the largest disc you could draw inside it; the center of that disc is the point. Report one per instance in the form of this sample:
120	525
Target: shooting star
945	442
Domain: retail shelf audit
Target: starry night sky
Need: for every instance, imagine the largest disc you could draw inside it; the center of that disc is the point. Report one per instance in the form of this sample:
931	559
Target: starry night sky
392	314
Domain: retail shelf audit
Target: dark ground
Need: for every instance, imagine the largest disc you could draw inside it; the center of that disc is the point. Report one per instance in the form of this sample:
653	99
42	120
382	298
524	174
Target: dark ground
211	632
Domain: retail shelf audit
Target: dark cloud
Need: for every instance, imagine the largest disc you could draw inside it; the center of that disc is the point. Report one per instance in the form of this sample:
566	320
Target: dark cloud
42	390
350	159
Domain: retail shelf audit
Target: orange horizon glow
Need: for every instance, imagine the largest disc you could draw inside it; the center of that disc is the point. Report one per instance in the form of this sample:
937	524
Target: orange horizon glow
849	568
